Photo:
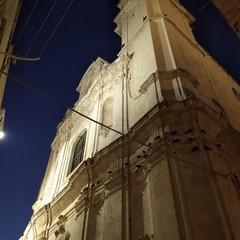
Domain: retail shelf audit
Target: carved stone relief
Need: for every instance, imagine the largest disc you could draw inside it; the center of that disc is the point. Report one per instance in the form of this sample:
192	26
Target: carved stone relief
37	205
82	202
66	127
98	199
104	69
104	131
61	233
140	175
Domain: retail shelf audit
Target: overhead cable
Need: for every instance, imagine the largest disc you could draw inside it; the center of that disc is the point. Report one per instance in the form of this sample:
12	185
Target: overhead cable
41	27
30	14
32	89
55	29
52	99
205	5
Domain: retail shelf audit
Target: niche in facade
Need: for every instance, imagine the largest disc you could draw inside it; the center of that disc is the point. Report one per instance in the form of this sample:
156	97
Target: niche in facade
107	116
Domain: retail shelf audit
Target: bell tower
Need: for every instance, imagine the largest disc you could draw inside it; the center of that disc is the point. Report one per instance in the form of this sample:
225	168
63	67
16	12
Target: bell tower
198	109
157	37
161	158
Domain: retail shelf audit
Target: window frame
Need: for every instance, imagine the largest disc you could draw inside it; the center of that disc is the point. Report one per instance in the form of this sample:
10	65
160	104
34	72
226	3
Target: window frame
78	151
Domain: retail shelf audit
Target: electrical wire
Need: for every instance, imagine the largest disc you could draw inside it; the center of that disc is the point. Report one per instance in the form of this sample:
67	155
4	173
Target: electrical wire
55	29
41	27
52	99
201	8
20	34
38	92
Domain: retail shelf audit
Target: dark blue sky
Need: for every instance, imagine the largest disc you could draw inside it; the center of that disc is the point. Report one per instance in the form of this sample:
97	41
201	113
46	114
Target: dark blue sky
30	125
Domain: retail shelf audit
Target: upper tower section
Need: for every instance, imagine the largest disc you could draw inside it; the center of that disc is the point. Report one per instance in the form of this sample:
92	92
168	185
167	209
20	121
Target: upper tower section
135	14
157	38
131	13
146	28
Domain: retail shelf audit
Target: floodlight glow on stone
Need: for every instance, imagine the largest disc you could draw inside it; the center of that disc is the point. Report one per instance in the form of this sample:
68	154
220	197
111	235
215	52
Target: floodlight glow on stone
1	135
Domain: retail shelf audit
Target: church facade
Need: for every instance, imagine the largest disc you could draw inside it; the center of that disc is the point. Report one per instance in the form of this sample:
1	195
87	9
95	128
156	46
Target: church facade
151	148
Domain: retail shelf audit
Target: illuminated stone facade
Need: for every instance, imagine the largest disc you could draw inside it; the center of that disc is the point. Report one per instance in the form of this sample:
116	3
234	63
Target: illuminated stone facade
164	164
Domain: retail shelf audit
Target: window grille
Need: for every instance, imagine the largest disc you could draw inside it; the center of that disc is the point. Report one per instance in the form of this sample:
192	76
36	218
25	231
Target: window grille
79	151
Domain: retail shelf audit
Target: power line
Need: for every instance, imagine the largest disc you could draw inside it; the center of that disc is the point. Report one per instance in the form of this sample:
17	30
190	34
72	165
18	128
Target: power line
55	29
41	27
52	99
19	35
205	5
38	92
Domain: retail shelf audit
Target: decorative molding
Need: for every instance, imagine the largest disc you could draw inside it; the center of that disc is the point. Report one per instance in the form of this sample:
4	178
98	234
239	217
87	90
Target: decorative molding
143	88
61	220
56	144
48	221
83	202
168	75
104	131
105	69
98	199
34	228
140	174
127	5
114	180
61	233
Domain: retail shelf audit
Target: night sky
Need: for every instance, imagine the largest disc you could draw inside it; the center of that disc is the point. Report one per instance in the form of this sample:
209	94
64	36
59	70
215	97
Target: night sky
85	33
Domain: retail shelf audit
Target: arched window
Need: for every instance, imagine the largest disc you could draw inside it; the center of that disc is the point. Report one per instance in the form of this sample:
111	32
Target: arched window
79	151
